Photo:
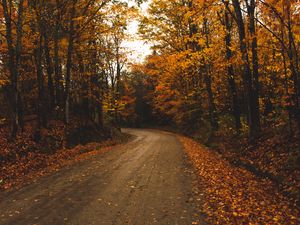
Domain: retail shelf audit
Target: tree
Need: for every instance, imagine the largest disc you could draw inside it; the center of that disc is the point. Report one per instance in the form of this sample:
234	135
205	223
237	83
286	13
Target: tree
194	51
14	55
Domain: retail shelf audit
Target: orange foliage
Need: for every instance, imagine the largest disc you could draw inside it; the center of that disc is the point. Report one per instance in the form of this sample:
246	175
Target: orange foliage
235	196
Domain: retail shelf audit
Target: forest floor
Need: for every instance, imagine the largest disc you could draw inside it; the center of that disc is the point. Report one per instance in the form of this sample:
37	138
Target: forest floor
275	155
234	195
24	159
149	180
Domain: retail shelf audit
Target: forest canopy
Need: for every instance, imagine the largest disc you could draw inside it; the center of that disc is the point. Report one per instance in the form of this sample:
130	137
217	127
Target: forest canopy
214	62
61	59
229	63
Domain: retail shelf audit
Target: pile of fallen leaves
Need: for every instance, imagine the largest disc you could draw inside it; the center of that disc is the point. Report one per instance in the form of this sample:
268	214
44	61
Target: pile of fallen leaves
52	139
24	159
37	164
280	157
233	195
275	155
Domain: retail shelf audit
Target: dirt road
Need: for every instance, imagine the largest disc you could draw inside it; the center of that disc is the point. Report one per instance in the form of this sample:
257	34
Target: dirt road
146	181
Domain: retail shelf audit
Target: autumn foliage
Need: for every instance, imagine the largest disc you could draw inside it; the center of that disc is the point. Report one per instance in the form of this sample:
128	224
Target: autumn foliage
62	79
63	59
224	63
226	72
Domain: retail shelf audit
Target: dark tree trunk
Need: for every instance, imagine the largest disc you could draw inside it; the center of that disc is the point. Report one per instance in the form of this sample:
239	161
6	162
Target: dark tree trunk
293	61
41	113
49	65
101	98
230	74
69	63
211	105
286	78
14	56
255	87
38	56
57	70
253	122
207	79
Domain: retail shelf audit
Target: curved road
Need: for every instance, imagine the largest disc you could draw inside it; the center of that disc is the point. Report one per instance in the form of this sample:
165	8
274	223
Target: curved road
146	181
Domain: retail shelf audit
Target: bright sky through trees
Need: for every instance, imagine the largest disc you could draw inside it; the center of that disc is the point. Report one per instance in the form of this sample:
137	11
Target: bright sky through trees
138	48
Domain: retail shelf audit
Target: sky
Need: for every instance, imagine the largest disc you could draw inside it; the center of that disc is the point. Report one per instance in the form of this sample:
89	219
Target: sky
138	49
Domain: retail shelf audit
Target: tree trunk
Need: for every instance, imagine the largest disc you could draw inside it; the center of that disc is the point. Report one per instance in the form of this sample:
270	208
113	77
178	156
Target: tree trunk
211	105
51	97
255	87
38	26
293	61
57	70
286	78
14	55
247	76
69	63
207	79
230	74
40	80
